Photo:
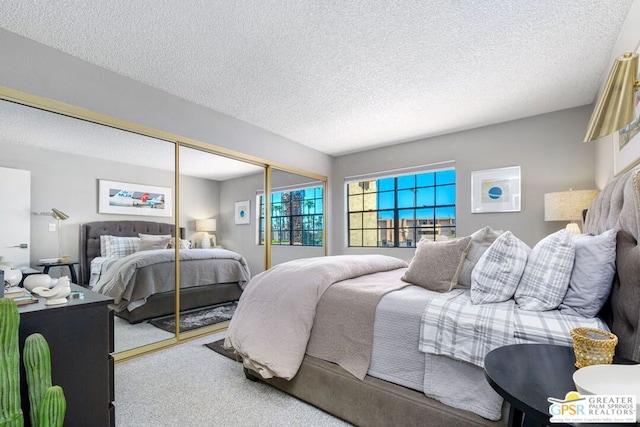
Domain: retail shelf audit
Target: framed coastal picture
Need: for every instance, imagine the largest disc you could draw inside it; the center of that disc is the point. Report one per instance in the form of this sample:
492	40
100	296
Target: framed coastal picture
495	190
124	198
243	212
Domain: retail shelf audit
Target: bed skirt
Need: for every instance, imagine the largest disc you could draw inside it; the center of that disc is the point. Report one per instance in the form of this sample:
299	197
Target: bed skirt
372	402
164	303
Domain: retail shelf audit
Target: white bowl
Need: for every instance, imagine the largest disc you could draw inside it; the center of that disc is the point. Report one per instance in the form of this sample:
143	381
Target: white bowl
37	280
609	380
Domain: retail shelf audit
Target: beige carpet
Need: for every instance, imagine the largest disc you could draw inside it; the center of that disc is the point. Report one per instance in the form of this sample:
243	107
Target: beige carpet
190	385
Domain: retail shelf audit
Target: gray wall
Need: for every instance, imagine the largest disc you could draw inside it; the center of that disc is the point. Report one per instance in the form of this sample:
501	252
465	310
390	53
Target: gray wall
547	148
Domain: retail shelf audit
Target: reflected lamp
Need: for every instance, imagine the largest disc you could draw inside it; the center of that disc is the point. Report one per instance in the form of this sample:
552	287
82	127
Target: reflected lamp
616	107
568	206
204	226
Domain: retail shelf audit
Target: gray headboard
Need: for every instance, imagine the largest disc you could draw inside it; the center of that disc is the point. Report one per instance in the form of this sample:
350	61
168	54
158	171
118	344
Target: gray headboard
618	207
90	237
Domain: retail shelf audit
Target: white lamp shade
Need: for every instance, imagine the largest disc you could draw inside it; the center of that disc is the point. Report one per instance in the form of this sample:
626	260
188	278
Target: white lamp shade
206	224
567	205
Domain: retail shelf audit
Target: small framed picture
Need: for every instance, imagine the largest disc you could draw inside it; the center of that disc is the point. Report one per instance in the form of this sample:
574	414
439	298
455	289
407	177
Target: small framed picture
243	212
495	190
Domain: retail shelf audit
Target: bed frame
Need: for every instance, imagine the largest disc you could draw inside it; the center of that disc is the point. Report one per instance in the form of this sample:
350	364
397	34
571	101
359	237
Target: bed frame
157	305
374	402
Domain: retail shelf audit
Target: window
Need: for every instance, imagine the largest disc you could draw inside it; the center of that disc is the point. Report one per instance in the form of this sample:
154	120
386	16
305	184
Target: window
400	210
296	217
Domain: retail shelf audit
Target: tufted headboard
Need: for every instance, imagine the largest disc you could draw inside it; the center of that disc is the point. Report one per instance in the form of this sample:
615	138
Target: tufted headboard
90	237
618	207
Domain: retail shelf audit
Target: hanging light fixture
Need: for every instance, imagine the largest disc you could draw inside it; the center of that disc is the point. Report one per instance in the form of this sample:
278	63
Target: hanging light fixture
616	108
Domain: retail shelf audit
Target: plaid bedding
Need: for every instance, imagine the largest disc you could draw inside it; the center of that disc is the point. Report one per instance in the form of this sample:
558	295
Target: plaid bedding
452	326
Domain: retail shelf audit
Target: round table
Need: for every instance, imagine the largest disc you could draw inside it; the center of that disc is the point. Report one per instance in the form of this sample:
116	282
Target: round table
526	375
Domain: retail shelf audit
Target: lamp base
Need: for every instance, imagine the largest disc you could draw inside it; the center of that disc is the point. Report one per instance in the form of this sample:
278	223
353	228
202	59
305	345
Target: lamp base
573	229
205	242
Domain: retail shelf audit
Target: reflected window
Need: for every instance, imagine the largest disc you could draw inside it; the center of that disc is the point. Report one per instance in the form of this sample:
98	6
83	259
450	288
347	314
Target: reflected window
398	211
297	217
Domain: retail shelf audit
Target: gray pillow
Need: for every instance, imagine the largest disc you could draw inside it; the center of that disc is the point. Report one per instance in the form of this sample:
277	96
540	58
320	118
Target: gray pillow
437	265
148	244
546	277
498	271
480	242
592	275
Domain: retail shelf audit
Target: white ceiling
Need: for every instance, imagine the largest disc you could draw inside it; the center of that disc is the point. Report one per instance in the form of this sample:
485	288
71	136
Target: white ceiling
344	76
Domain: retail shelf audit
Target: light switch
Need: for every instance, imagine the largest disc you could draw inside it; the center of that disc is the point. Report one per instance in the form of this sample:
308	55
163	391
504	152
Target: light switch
52	227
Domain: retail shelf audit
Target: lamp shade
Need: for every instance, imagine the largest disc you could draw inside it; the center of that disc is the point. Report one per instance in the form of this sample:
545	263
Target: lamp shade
567	205
206	224
616	106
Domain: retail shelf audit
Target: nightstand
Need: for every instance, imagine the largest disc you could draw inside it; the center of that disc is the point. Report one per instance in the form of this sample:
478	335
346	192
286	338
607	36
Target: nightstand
526	375
70	265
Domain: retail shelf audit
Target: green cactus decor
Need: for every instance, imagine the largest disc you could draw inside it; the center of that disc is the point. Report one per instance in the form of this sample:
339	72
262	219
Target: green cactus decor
52	408
47	403
10	410
37	364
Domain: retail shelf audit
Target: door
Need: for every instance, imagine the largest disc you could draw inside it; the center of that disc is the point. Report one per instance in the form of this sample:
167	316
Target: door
15	217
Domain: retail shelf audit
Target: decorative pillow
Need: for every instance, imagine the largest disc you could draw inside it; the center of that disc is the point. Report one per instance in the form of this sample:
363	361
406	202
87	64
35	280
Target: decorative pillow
148	244
480	242
499	269
546	277
592	275
184	244
154	236
437	265
104	242
118	247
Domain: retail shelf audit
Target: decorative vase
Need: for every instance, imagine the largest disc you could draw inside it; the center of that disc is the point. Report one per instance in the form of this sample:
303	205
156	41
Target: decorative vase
37	281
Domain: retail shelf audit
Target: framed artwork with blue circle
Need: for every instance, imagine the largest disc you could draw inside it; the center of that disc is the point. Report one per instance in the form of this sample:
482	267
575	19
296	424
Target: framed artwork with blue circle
243	212
495	190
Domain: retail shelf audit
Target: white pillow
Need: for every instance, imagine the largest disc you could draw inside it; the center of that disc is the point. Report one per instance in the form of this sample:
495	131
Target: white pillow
104	241
592	275
118	247
498	272
546	277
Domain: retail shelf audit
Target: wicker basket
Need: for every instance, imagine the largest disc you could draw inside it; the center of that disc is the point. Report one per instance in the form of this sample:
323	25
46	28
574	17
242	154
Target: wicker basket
593	346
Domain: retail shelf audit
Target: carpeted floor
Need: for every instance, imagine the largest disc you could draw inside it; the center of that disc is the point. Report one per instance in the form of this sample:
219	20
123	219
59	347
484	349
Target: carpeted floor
197	318
218	348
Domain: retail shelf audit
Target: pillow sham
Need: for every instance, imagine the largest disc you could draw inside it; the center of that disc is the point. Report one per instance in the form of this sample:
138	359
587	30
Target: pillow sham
480	242
592	276
437	265
103	245
496	276
546	276
152	244
154	236
118	247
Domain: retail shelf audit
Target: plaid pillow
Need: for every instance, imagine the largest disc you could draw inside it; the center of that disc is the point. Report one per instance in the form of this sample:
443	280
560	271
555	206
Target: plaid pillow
118	247
499	269
104	241
546	277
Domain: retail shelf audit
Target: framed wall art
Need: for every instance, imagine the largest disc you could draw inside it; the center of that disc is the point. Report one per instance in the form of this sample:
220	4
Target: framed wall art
125	198
626	143
495	190
243	212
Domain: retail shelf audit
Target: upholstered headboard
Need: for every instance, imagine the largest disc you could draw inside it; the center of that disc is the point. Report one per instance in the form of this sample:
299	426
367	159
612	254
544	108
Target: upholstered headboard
90	237
618	207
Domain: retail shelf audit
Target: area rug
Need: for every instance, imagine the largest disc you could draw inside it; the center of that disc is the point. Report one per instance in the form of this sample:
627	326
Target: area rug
198	318
218	348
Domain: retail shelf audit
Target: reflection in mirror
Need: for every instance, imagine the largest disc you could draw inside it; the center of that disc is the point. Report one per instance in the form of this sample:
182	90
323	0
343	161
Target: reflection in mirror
214	265
297	217
66	158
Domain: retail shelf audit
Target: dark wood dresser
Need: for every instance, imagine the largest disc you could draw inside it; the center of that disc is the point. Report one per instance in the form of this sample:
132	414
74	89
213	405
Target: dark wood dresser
80	336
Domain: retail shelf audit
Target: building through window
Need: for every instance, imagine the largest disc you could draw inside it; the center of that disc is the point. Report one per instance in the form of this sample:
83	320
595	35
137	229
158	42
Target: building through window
297	217
398	211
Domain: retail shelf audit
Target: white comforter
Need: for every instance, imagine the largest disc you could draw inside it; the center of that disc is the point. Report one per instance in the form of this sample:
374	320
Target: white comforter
271	326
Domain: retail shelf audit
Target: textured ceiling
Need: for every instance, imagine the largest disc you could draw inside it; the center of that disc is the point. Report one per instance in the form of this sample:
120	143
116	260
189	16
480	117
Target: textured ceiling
344	76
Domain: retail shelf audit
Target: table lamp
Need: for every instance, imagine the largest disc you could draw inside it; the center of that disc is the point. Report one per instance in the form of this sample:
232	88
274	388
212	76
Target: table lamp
568	206
204	226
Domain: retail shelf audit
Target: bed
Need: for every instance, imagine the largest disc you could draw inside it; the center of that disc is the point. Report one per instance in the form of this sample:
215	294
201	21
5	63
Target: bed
388	397
208	276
